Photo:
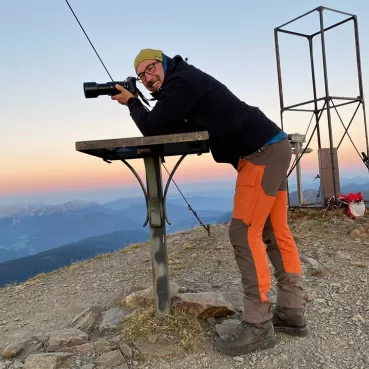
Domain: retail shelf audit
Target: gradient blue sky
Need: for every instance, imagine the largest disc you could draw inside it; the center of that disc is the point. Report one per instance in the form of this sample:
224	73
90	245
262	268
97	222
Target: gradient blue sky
45	59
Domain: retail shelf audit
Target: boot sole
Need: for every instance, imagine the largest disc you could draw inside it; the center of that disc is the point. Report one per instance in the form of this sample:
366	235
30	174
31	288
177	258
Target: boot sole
293	331
265	343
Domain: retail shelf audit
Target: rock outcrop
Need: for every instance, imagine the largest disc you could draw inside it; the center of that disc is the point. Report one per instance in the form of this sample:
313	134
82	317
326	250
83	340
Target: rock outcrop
94	338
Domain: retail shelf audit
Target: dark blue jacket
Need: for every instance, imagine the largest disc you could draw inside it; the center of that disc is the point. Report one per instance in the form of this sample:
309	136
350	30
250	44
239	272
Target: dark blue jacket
190	100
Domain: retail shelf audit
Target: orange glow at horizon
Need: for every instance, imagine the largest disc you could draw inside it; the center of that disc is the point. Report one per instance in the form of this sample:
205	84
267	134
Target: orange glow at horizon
93	175
88	173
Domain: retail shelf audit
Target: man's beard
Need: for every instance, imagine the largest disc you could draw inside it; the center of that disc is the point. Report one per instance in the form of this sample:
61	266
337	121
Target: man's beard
152	83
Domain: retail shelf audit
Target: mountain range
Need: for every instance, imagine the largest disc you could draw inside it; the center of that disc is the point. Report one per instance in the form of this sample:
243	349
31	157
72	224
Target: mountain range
26	230
42	238
37	238
21	269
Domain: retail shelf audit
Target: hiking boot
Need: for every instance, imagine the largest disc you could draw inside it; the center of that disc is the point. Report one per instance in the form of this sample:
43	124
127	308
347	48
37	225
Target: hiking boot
246	338
289	320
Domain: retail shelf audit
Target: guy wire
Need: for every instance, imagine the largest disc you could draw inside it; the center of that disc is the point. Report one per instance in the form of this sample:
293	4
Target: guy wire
189	206
88	39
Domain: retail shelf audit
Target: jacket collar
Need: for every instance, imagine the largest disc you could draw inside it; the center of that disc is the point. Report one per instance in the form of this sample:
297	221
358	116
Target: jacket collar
171	66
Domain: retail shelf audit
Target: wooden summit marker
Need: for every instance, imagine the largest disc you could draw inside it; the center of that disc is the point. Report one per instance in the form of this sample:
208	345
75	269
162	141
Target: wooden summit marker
329	173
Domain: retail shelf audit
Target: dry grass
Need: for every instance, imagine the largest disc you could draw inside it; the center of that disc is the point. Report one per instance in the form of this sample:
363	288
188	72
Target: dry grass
9	285
180	325
41	278
188	246
79	264
178	267
133	247
316	213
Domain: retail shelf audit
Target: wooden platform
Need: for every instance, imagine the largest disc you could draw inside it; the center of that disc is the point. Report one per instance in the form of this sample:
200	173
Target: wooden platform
138	147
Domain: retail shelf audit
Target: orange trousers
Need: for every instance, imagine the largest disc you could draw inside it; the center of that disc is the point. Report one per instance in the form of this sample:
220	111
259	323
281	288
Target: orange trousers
259	229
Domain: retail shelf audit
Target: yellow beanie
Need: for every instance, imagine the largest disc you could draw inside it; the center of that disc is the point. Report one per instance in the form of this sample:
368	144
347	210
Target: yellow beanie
148	54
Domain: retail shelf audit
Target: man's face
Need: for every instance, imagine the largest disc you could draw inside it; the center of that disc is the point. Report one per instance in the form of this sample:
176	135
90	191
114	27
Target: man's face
151	74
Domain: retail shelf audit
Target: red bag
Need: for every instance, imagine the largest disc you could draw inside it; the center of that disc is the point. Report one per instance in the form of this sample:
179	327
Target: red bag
355	204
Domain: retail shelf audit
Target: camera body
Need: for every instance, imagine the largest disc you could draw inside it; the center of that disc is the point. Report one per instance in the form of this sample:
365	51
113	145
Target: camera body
93	89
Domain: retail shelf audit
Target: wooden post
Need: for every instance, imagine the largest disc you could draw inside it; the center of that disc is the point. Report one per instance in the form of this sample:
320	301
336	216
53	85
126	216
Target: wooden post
326	175
159	250
296	141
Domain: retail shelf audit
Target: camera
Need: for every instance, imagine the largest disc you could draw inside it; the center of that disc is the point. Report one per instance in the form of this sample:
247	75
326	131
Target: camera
93	89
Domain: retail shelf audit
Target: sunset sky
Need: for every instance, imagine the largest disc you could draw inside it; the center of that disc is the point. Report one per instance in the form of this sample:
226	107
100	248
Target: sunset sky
45	59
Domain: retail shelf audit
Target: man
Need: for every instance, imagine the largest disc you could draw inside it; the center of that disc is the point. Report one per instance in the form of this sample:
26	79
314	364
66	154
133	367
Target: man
190	100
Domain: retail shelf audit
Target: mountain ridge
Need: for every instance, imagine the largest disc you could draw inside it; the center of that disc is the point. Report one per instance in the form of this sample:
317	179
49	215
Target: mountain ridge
24	210
29	229
33	229
14	270
20	269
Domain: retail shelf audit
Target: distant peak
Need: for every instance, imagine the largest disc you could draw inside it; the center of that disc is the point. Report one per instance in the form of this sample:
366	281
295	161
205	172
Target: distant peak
24	210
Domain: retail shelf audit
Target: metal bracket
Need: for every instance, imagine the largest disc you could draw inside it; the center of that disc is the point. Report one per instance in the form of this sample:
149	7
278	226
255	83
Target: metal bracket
167	186
165	191
143	189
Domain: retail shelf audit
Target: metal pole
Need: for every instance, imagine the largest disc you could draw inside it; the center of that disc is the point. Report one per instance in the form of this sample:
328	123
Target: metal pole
327	102
300	193
360	78
299	17
279	73
157	235
314	91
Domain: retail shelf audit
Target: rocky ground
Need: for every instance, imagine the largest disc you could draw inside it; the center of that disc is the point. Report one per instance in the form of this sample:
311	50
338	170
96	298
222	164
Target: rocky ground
77	317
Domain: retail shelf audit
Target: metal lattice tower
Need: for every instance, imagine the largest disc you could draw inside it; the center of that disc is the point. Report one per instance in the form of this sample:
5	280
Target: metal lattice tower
330	102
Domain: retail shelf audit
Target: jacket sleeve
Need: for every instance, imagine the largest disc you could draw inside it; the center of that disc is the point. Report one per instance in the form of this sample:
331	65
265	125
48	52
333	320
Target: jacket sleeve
167	116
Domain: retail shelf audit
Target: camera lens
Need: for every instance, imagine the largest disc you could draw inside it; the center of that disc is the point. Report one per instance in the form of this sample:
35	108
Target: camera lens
90	90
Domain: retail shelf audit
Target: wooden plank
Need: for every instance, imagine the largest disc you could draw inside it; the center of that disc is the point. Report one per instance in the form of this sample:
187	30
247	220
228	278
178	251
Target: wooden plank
142	141
139	147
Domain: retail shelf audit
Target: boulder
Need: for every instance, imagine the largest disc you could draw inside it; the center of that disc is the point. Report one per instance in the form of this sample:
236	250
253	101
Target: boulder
126	350
98	347
203	304
126	291
88	319
52	360
110	360
66	338
112	317
145	297
22	347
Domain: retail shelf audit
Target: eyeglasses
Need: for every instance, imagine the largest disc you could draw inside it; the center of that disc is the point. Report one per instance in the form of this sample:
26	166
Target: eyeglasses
150	69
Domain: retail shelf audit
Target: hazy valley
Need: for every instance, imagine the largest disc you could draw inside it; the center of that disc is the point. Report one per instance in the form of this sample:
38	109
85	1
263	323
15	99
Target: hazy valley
39	238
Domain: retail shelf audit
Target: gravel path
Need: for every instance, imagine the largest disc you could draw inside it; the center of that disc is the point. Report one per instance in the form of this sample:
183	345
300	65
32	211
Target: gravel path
335	257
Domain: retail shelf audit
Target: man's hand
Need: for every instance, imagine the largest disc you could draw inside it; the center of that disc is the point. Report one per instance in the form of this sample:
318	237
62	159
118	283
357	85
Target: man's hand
124	95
